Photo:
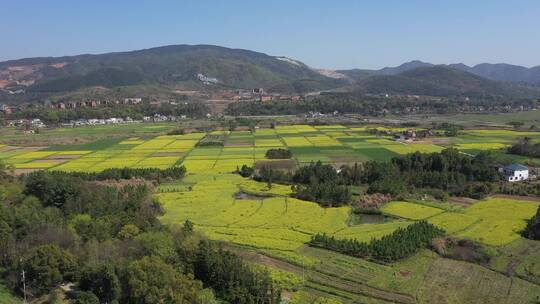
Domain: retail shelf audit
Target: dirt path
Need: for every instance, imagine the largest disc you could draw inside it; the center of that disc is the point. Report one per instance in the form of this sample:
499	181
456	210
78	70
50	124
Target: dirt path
267	261
464	201
517	197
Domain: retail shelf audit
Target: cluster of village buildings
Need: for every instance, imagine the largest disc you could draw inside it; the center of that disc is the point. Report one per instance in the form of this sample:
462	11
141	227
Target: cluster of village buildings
95	103
35	123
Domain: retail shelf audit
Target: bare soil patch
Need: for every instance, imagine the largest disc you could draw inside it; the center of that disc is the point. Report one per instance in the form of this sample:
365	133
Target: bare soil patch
518	197
286	164
24	171
23	149
125	182
163	154
464	201
249	196
64	156
405	273
52	161
267	261
3	83
6	148
433	141
239	144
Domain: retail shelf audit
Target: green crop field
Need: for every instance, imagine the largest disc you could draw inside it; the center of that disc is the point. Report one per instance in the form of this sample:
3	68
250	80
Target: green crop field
499	221
493	221
410	210
335	144
268	221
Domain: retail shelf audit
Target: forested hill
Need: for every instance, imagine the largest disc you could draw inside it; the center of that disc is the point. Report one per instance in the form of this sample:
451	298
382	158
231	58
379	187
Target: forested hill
444	81
167	65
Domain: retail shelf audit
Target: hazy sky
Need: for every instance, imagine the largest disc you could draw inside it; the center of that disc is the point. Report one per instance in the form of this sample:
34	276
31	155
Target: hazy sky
325	34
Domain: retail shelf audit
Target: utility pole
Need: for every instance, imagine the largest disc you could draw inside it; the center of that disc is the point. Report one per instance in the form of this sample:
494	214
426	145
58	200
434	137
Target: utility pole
24	286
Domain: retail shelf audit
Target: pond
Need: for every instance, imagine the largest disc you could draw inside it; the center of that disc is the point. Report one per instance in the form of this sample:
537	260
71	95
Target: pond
372	218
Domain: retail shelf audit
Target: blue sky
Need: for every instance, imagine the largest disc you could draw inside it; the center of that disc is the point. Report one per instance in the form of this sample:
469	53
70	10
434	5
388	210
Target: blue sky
324	34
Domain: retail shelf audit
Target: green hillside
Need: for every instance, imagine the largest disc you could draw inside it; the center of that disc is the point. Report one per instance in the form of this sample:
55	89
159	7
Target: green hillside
171	65
443	81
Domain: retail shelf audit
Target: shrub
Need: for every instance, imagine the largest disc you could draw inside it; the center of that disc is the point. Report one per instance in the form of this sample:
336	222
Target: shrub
278	154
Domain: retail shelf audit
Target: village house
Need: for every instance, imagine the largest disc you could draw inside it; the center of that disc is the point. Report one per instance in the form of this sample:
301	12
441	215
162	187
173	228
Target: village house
515	173
265	98
91	104
132	101
114	120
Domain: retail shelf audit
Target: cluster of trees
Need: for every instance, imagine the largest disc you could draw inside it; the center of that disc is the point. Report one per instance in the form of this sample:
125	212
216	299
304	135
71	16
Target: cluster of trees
449	170
532	230
402	243
450	129
327	194
525	147
245	171
270	175
61	228
315	182
278	154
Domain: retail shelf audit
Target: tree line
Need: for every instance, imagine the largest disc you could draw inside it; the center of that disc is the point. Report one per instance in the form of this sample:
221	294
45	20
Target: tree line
369	105
532	230
107	240
156	174
450	171
525	147
402	243
316	182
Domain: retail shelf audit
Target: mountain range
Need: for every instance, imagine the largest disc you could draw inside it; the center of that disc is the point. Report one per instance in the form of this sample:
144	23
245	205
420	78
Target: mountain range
499	71
212	68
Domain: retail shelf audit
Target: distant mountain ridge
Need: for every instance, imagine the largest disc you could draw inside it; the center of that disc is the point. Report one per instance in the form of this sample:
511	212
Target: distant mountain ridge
162	71
442	81
498	71
505	72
